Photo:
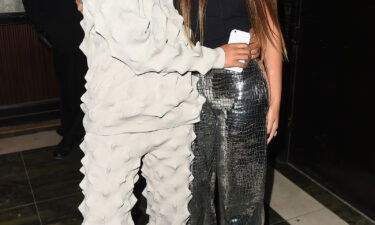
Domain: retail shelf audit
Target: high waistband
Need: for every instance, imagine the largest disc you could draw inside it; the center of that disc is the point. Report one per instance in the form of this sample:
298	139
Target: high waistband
253	64
254	68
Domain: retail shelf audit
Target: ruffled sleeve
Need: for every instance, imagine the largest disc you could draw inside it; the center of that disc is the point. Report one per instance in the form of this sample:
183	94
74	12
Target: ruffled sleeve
148	36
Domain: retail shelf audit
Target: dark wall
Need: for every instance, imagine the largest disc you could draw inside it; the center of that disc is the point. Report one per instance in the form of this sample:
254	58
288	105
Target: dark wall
26	66
332	126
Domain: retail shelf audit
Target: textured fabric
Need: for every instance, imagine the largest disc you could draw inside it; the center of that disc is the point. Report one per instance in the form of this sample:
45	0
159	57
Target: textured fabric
139	62
231	148
111	165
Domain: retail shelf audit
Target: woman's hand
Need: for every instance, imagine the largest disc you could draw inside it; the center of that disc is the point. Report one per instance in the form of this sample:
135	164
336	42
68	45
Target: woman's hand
236	52
79	4
254	45
272	122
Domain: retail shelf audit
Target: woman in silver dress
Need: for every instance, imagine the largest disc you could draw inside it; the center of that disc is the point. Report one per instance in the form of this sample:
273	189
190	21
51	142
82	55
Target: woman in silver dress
240	115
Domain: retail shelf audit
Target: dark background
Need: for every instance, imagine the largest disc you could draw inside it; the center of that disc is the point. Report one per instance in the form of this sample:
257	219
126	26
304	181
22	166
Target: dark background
329	104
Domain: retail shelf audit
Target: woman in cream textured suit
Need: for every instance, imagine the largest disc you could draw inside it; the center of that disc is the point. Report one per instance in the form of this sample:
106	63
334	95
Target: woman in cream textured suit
141	101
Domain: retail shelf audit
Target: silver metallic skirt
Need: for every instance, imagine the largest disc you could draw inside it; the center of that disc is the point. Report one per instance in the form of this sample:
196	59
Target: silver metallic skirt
230	150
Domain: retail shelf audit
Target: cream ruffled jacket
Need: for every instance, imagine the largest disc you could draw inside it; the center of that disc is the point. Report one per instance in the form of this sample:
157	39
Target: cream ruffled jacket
140	64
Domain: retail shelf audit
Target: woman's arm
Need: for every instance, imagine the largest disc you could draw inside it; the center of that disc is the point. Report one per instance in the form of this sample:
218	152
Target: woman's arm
79	5
273	62
148	37
254	45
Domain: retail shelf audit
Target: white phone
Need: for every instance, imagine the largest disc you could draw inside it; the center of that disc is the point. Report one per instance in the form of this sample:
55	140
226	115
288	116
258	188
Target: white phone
238	36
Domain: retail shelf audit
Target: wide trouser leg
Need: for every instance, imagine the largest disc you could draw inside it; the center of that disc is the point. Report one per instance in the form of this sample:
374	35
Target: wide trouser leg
71	67
167	172
111	165
240	103
241	167
202	205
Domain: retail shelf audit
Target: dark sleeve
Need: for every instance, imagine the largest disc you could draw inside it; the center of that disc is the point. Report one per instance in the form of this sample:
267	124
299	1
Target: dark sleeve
32	11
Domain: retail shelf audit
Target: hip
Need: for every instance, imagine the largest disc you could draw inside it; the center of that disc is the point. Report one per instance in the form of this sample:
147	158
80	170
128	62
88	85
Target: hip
221	85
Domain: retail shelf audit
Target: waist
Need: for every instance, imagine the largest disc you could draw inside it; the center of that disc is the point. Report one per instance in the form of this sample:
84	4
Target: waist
253	68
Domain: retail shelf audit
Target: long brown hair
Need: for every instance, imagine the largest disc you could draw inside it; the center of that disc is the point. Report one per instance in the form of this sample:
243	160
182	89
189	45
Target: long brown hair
261	12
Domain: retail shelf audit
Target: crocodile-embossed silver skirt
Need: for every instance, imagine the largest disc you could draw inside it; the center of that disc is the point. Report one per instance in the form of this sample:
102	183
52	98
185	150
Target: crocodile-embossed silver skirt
230	149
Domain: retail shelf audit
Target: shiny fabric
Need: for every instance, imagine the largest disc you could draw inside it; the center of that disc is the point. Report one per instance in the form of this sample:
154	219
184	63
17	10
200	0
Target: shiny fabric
230	149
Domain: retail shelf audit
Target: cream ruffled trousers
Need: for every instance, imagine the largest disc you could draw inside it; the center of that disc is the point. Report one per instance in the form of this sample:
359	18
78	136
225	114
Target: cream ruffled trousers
111	165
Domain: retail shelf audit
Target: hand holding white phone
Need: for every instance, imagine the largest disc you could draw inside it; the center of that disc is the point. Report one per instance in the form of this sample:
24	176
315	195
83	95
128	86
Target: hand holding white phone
237	36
